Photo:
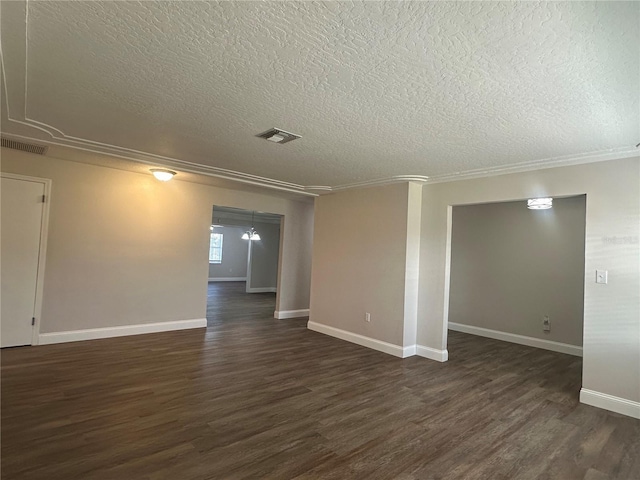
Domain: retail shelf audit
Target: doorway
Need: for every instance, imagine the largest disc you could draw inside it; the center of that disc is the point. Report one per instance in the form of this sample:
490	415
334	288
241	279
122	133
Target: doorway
517	274
244	264
24	216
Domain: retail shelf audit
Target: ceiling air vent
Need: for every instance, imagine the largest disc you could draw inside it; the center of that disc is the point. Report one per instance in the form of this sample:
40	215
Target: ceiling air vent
278	136
24	147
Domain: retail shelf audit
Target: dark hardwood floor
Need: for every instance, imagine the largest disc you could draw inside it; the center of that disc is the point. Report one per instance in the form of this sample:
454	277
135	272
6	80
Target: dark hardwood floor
262	398
228	301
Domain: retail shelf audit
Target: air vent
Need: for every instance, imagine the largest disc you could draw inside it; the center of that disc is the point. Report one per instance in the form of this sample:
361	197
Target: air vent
24	147
278	136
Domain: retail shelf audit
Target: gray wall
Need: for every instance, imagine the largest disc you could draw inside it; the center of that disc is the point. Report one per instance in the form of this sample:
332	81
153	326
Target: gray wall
125	249
234	254
611	340
359	261
264	258
351	275
510	266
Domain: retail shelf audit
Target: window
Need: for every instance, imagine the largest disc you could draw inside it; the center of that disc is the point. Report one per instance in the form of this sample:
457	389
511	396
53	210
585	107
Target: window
215	248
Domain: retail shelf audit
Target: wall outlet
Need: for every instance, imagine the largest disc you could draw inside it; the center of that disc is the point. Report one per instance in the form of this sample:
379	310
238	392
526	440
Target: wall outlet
601	276
367	317
546	324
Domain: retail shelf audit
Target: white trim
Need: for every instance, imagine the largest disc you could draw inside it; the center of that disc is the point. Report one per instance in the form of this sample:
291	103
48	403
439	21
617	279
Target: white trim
519	339
370	183
312	190
554	162
609	402
262	290
121	331
153	159
412	265
249	248
42	250
379	345
432	353
409	351
447	275
227	279
58	137
282	314
281	254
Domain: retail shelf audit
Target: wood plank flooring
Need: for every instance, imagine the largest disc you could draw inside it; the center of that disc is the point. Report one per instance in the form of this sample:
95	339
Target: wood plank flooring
259	398
228	301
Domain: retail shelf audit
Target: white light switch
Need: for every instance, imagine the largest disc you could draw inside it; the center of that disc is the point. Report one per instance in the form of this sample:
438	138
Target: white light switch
601	276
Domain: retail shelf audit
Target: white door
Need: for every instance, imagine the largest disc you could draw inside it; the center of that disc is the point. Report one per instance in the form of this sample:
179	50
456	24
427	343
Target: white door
22	209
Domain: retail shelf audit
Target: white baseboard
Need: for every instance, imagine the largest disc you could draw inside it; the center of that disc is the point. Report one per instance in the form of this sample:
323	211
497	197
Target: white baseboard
228	279
391	349
519	339
432	353
282	314
262	290
409	351
611	403
108	332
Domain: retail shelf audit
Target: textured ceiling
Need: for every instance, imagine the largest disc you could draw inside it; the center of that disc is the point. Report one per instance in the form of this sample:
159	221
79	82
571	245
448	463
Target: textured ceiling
376	89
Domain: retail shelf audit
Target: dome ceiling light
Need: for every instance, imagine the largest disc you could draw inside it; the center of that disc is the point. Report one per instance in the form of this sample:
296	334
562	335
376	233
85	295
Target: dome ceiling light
163	174
539	203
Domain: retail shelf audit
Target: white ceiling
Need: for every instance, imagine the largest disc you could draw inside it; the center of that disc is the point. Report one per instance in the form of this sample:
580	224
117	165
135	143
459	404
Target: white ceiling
376	89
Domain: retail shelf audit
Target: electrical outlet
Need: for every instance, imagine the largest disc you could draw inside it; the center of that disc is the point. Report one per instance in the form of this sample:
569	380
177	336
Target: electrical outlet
367	317
546	324
601	276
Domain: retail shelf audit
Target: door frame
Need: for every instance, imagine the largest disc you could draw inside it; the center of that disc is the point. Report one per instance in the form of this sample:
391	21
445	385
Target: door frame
448	254
42	250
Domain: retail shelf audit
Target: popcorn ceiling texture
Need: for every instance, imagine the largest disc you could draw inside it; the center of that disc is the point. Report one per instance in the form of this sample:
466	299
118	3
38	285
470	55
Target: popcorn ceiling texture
375	89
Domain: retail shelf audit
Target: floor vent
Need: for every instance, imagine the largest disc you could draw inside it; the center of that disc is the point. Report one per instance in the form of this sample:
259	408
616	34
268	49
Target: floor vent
24	147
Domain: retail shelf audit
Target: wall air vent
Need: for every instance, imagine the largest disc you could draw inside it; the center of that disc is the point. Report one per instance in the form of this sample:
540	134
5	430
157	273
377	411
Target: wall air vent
276	135
23	146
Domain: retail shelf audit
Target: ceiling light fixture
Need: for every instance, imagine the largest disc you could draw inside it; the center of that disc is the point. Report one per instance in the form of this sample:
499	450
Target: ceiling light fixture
276	135
251	234
163	174
539	203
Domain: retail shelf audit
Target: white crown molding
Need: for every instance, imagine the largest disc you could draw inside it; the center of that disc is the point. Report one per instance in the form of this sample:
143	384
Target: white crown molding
554	162
59	138
313	190
160	161
371	183
319	188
